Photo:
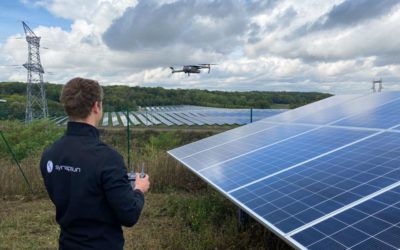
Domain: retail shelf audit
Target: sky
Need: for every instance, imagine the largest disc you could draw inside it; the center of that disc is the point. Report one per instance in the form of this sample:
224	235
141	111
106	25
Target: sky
332	46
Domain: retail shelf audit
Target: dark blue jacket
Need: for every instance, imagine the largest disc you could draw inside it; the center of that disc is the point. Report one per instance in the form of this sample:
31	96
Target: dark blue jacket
87	182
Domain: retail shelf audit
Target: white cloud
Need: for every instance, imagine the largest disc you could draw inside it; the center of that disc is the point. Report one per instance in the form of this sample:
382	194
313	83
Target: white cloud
257	45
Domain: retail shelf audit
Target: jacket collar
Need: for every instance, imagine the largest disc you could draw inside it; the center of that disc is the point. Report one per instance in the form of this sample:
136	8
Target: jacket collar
81	129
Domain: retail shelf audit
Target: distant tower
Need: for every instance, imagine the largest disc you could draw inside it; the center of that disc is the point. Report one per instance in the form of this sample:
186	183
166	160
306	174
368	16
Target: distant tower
374	82
36	103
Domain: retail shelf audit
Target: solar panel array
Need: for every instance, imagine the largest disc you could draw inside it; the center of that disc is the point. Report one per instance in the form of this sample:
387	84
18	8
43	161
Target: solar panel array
184	115
323	176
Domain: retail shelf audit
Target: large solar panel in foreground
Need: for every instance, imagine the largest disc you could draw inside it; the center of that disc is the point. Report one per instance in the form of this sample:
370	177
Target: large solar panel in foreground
323	176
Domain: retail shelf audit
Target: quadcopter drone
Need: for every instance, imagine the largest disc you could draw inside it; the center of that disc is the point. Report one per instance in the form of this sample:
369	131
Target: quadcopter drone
194	69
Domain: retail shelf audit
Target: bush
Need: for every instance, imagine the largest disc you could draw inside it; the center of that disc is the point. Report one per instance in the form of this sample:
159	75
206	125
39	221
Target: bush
28	140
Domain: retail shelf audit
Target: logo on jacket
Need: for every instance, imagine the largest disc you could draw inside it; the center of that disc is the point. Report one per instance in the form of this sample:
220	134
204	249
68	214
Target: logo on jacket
49	167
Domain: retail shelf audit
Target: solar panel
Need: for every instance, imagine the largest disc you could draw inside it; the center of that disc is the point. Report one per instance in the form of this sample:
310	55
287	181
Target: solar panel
114	119
151	118
189	118
170	118
133	119
348	109
162	119
61	120
304	172
105	119
383	117
211	115
312	108
143	119
198	117
183	121
124	120
281	155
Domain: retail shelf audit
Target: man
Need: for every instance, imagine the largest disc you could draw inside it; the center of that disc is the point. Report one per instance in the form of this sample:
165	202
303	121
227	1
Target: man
86	179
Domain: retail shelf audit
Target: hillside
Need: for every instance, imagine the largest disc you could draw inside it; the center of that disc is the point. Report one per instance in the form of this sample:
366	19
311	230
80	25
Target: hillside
123	97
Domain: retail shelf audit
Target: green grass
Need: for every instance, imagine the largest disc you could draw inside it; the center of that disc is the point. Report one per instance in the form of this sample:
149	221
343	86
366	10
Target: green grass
170	220
181	211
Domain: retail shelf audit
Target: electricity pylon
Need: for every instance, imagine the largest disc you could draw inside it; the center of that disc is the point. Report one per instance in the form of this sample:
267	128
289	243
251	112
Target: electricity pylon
36	103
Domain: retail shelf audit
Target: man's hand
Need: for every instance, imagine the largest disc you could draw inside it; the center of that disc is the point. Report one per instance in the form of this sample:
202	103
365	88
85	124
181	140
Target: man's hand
143	184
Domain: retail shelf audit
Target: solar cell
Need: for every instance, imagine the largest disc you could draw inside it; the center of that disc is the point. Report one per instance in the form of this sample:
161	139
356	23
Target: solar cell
312	108
253	165
323	185
384	116
219	139
373	224
262	139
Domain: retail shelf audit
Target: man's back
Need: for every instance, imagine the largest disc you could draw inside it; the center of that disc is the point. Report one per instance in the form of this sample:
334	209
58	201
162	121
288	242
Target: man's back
87	182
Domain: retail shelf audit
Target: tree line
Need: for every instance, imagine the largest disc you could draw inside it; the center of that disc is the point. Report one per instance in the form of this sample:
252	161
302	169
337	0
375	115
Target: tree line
120	98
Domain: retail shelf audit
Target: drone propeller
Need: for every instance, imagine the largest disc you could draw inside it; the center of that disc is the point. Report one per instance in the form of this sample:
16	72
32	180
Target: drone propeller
207	66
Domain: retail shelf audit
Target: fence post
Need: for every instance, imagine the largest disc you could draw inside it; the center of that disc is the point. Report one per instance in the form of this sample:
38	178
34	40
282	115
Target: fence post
16	161
128	139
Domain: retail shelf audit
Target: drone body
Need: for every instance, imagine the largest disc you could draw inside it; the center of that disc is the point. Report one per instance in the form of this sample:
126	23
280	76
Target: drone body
192	69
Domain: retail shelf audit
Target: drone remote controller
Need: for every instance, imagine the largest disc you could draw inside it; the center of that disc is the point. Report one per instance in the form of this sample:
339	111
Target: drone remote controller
132	176
142	174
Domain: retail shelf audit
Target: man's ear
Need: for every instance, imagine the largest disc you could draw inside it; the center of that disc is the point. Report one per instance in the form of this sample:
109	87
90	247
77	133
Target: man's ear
96	107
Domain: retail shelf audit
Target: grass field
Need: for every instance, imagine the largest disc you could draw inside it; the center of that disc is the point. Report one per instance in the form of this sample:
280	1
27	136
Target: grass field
172	220
181	211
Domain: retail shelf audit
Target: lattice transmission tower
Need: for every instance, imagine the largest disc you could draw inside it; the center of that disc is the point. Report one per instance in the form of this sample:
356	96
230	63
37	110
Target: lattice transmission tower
374	82
36	103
